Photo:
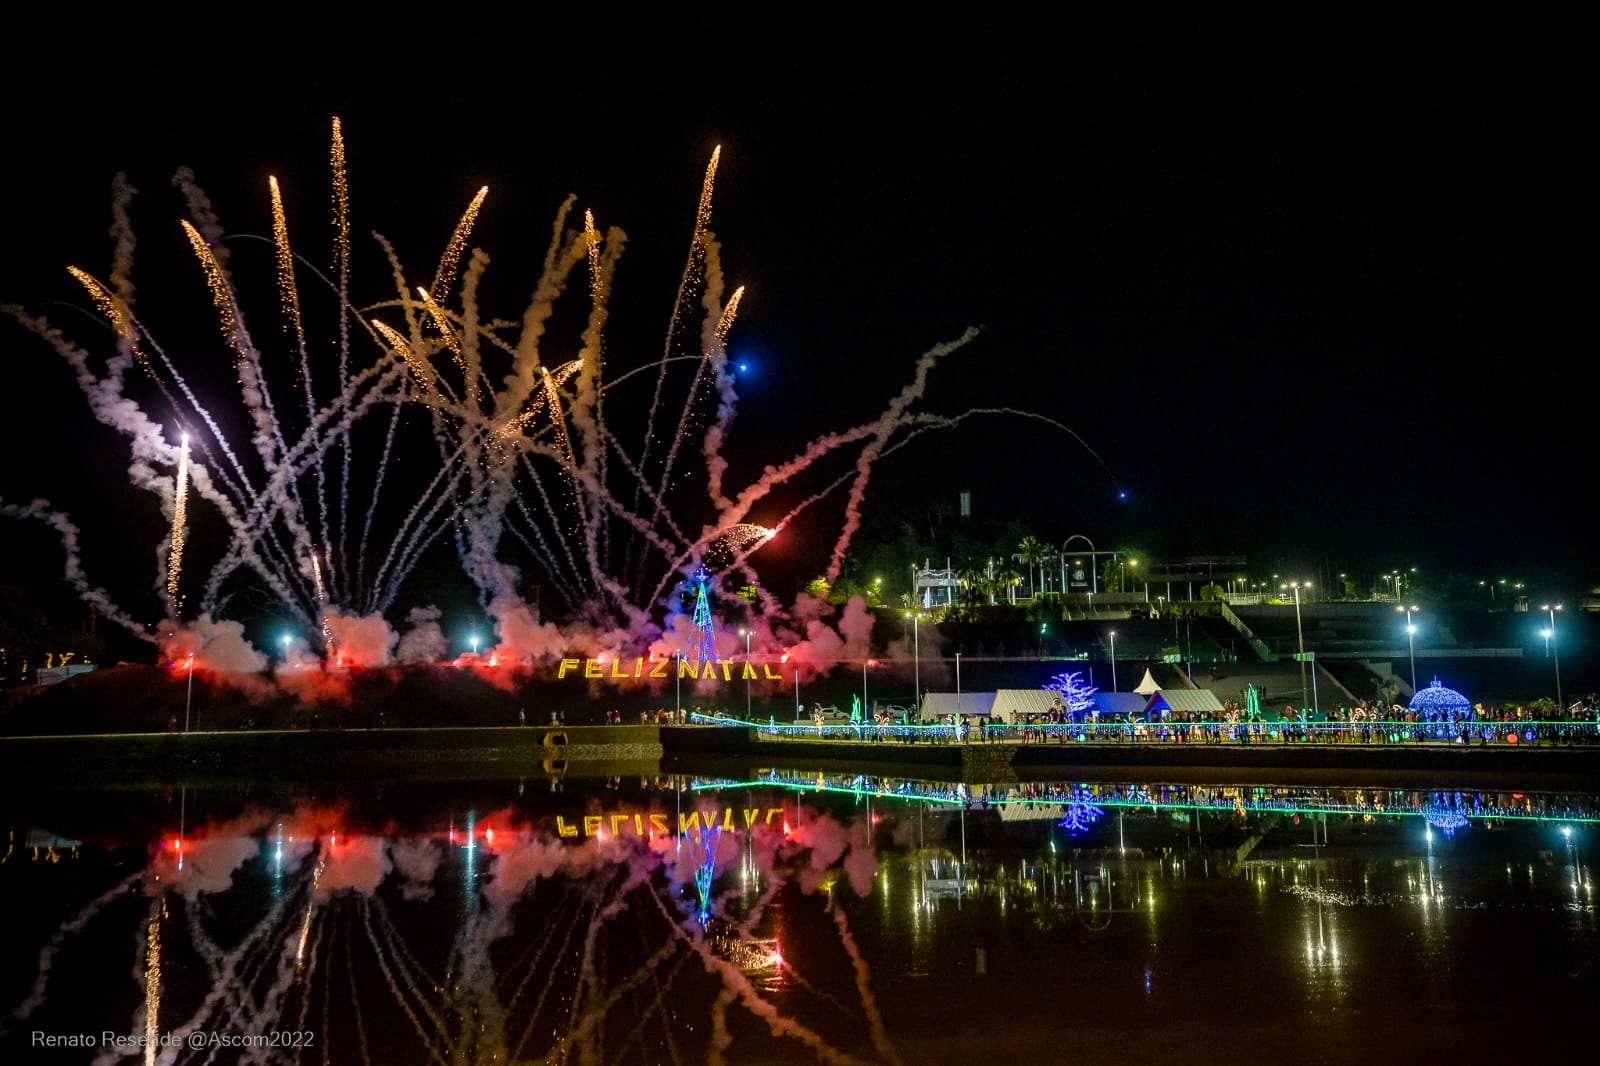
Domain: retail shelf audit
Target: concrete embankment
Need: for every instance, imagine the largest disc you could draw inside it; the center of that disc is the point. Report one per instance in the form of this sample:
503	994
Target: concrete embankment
281	754
274	754
1001	762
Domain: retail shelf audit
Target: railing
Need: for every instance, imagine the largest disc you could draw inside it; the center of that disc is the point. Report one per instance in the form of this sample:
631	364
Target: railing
1174	731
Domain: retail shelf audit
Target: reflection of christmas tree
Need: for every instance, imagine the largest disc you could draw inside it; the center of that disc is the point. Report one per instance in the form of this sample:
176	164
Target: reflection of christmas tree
1079	696
707	870
1080	812
702	619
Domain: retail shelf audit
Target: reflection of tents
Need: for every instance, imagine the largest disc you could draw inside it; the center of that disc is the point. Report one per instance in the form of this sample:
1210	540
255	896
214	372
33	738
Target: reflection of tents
1148	686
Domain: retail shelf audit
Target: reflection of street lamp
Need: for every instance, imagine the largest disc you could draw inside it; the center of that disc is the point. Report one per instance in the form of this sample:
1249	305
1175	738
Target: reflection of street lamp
188	700
1113	660
1555	647
1411	642
745	633
1577	871
1042	627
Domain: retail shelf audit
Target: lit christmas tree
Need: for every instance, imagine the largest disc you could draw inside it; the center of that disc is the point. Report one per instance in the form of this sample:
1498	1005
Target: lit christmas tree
1078	696
702	619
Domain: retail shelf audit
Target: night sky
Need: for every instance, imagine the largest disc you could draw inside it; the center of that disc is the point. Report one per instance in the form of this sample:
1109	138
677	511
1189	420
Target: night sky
1318	293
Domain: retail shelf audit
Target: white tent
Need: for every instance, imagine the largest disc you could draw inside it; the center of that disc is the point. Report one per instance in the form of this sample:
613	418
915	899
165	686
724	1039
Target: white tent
935	705
1148	685
1015	704
1190	700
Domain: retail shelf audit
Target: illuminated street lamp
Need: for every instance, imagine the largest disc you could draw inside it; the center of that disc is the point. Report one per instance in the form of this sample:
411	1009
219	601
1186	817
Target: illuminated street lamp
1411	642
1300	633
1113	660
188	700
864	664
287	640
1555	647
916	668
745	633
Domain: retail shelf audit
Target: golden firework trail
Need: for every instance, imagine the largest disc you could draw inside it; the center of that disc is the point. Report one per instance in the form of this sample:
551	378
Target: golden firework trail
180	526
458	240
725	323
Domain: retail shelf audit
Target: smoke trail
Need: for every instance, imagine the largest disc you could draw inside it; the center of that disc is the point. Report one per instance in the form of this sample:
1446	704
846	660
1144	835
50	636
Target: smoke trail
887	423
93	595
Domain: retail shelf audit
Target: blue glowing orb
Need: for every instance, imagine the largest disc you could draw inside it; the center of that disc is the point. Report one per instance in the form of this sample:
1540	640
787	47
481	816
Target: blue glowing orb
1436	701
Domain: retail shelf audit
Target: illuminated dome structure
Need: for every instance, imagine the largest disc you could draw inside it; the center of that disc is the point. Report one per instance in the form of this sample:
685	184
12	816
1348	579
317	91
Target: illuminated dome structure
1437	703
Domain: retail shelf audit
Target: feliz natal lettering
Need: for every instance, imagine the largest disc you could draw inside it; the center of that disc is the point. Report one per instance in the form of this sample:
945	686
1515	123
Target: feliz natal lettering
662	669
594	824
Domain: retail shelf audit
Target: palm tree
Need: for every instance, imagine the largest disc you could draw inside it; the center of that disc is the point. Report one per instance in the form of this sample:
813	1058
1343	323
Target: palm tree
1032	552
1007	577
972	582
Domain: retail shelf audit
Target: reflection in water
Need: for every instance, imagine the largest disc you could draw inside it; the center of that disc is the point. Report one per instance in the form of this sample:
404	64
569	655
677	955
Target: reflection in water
705	919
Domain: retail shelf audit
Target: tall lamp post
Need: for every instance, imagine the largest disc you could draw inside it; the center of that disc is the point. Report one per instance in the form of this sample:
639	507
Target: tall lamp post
958	688
188	700
1300	635
864	664
1411	643
745	633
916	667
1555	647
1113	660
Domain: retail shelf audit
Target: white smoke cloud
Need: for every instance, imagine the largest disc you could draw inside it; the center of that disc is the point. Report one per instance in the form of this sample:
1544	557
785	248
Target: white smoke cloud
424	642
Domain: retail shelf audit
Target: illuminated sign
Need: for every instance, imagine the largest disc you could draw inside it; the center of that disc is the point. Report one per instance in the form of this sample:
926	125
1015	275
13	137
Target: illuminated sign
619	669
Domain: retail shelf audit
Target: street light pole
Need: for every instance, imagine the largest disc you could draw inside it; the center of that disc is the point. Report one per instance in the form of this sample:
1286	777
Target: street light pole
1113	660
916	668
864	664
188	700
1411	642
1555	646
746	634
1300	635
958	689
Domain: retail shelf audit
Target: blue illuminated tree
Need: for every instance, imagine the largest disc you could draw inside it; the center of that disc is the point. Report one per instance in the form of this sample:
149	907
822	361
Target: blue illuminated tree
1078	696
707	870
702	619
1080	811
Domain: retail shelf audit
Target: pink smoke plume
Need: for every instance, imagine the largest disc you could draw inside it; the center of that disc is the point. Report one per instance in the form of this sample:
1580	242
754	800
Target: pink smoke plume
360	641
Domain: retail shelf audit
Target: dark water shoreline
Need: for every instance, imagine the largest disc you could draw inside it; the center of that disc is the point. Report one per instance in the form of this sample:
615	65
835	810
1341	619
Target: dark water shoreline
163	759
